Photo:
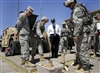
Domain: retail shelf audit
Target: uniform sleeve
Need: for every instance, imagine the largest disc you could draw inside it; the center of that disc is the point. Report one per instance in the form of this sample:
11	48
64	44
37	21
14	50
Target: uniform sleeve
93	29
78	18
38	30
20	22
59	29
48	31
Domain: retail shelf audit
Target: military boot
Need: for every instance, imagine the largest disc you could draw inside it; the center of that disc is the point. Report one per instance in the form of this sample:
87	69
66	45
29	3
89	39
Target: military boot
29	64
42	58
82	70
77	67
32	59
63	58
23	61
93	56
98	58
66	52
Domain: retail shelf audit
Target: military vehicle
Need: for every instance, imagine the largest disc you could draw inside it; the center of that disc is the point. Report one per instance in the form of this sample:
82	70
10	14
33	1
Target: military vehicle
10	43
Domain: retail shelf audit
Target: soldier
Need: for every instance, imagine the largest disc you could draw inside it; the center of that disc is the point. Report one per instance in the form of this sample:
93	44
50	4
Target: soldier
23	32
63	44
38	37
70	36
95	36
97	32
82	21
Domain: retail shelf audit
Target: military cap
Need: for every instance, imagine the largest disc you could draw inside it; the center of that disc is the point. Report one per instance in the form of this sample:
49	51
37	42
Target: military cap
30	9
68	2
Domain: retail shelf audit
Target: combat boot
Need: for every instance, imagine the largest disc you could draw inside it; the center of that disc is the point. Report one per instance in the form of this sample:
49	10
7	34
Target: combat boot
93	56
63	58
82	70
29	64
23	61
32	59
77	67
98	58
66	52
42	58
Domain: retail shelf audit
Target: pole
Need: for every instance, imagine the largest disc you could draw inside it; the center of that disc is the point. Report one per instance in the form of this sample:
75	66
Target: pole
18	6
41	8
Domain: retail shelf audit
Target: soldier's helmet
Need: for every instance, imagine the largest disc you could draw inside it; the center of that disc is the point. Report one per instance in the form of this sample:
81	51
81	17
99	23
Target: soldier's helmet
30	9
68	2
96	15
44	19
63	23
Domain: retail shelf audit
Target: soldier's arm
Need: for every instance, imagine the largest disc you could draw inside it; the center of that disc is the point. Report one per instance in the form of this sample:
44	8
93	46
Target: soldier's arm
20	22
38	30
78	21
48	31
93	27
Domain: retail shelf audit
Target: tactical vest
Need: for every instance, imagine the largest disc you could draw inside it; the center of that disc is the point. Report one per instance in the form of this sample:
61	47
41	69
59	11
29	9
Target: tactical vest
88	17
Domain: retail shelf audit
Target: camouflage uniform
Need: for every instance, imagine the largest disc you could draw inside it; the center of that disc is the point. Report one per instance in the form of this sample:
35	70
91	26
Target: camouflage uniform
36	39
82	22
23	31
64	39
91	38
96	37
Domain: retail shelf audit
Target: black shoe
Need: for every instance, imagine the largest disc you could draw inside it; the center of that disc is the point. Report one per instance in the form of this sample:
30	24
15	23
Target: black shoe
56	56
53	57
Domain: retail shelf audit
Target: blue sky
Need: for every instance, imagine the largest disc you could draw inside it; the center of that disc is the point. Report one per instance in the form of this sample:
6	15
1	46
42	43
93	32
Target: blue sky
50	9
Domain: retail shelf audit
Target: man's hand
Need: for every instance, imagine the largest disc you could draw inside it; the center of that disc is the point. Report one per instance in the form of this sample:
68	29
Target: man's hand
96	33
42	38
16	34
75	39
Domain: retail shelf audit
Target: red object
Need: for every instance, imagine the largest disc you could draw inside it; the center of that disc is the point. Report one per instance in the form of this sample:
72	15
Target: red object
6	49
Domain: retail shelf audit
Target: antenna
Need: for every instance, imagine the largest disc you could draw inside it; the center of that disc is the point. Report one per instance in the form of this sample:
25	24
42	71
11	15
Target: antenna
41	8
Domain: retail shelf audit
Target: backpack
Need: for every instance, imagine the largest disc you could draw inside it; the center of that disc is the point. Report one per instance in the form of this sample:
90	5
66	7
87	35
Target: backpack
33	31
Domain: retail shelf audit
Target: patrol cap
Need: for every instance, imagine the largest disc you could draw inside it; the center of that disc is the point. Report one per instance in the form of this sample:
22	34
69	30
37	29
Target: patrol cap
44	18
30	9
63	23
68	2
96	15
53	20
